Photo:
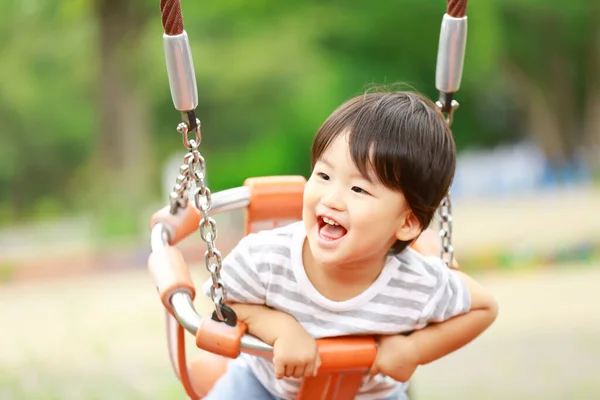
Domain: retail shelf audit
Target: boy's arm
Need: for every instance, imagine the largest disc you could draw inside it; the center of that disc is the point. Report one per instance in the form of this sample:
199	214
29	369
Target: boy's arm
399	355
295	352
266	323
437	340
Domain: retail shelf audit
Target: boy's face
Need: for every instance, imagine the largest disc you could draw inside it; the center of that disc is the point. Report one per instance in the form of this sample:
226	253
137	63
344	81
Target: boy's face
351	222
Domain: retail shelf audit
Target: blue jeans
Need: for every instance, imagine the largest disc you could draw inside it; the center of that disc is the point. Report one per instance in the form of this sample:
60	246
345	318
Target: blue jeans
239	382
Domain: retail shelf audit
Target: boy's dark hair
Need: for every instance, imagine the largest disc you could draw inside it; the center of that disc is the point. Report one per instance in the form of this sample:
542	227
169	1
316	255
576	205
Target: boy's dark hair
405	139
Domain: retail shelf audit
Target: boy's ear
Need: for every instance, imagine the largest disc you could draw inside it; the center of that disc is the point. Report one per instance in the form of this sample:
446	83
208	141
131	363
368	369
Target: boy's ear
409	229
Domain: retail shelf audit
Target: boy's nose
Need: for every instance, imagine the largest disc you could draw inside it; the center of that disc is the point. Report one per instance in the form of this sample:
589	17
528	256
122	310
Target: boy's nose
332	199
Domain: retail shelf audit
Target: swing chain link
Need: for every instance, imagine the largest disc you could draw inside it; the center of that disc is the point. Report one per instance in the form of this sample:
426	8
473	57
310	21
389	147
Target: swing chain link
447	106
193	170
445	214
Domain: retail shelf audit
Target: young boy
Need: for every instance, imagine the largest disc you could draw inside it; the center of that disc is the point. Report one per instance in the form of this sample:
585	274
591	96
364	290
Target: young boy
382	162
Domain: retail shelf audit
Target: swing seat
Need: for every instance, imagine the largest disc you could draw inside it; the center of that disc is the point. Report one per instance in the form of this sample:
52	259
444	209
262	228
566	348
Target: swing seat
268	202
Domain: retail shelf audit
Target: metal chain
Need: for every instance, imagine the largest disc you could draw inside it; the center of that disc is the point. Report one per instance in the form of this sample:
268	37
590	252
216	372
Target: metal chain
193	170
445	213
445	210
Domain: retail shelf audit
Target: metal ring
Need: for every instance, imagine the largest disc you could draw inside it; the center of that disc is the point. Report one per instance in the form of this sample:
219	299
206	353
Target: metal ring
216	283
214	270
223	289
214	258
184	170
202	164
210	248
208	222
198	132
218	301
206	196
182	128
446	217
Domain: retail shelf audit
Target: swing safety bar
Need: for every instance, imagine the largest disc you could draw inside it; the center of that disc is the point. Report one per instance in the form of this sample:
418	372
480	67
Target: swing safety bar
180	300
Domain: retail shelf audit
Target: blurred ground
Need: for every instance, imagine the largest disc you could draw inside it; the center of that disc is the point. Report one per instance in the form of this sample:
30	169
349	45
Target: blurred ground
86	323
102	336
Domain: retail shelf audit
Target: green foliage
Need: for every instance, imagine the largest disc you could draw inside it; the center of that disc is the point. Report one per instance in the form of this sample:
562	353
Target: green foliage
268	73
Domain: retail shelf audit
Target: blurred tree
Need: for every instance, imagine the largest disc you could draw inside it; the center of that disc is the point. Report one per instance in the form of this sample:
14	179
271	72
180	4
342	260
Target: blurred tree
551	55
591	119
85	110
121	158
44	108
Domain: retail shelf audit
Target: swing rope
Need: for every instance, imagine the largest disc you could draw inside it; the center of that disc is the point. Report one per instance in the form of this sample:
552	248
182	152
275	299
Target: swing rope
457	8
172	18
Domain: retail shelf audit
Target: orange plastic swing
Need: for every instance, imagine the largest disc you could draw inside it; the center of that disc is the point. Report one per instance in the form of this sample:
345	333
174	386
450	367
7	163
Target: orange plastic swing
271	201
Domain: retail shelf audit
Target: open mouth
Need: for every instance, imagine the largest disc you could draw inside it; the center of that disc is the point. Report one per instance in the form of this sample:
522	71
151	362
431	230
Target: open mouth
330	229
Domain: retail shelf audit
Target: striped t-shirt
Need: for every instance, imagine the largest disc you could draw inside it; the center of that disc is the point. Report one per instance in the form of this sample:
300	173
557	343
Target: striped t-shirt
411	291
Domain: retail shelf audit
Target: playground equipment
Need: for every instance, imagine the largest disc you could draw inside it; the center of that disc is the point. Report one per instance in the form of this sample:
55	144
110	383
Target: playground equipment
267	201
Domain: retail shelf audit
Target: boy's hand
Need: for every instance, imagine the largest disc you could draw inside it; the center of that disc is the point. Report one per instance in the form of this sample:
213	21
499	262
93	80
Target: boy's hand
295	354
397	357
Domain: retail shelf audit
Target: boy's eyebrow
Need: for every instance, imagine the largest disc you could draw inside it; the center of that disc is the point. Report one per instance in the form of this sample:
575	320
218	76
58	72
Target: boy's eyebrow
367	178
355	174
324	161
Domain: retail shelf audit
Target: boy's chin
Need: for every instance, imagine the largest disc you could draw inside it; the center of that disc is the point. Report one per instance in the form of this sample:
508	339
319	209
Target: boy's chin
326	259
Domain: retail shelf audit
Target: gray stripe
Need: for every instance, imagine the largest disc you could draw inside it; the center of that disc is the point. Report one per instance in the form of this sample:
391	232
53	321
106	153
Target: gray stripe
433	270
238	262
453	289
400	284
266	249
442	302
276	269
364	315
234	294
404	266
436	275
362	327
399	302
285	234
282	270
275	288
232	273
466	295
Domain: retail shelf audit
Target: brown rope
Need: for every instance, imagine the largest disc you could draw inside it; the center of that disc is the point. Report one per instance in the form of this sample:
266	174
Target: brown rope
172	18
457	8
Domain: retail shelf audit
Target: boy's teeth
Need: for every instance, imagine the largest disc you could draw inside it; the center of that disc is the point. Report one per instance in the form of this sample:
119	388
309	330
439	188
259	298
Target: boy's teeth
329	221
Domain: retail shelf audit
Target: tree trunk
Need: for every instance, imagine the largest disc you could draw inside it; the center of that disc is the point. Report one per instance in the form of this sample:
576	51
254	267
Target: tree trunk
123	143
591	116
543	123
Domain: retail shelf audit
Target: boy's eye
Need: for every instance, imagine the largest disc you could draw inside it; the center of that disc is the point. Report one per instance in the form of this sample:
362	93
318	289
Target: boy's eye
323	176
359	190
